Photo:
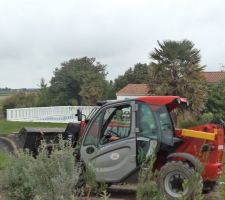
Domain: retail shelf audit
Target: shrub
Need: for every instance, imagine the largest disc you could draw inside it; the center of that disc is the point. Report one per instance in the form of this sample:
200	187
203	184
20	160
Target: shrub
93	187
48	177
205	118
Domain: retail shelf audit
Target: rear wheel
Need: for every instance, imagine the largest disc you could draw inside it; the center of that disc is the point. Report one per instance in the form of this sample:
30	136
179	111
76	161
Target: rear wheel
7	145
178	179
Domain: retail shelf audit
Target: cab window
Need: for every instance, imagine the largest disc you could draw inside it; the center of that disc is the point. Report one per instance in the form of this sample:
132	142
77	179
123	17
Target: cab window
147	122
117	121
166	125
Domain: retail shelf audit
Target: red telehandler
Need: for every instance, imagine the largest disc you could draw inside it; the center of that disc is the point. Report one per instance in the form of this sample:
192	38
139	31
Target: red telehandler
118	133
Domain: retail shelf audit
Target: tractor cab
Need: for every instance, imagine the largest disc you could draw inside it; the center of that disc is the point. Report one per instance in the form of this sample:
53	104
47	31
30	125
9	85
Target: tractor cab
120	134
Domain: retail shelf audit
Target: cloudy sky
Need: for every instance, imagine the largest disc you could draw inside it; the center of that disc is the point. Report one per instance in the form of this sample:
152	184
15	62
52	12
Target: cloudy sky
37	35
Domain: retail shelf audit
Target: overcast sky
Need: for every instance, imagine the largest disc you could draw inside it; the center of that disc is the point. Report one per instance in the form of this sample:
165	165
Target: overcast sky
37	35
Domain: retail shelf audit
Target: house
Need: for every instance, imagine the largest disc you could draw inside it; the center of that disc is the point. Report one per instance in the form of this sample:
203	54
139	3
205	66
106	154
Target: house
214	77
132	91
135	90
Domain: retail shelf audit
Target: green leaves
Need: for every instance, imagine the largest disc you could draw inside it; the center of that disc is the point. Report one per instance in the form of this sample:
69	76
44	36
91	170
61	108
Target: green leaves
79	81
136	75
215	102
175	70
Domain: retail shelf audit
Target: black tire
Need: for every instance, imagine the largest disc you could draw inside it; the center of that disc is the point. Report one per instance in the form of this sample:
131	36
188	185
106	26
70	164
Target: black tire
7	145
171	179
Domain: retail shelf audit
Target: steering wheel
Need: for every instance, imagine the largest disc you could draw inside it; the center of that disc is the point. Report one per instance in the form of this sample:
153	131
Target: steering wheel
112	133
108	135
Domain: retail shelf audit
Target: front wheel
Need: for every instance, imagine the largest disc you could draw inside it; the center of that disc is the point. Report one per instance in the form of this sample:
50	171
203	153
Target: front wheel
177	179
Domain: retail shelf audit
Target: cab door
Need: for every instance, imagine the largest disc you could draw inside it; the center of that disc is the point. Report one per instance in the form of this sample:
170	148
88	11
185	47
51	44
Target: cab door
112	159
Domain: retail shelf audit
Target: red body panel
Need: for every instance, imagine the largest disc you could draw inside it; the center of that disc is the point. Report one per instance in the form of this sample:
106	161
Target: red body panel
212	159
82	127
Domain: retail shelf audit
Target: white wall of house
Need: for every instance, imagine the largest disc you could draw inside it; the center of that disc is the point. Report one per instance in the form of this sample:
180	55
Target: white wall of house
127	97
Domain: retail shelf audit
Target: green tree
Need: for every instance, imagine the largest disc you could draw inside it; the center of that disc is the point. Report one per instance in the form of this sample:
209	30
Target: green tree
215	102
175	70
78	81
92	89
43	99
110	92
135	75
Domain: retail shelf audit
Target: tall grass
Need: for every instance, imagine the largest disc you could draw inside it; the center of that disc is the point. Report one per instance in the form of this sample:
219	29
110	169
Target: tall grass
222	183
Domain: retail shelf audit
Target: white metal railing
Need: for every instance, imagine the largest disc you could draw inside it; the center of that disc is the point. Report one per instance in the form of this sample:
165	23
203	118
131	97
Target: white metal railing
62	114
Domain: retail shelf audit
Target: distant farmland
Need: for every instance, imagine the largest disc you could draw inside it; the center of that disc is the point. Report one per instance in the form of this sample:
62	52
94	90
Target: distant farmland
3	96
7	93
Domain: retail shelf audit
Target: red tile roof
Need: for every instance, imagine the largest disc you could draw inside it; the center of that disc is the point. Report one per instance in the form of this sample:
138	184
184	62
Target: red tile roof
134	90
143	89
214	77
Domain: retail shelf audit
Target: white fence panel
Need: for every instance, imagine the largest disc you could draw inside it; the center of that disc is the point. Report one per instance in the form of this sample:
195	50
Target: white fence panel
62	114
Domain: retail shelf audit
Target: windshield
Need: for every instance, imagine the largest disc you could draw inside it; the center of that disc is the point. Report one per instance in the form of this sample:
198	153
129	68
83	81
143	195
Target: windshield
91	114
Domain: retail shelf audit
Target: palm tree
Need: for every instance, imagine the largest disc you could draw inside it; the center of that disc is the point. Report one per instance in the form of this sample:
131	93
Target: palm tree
175	70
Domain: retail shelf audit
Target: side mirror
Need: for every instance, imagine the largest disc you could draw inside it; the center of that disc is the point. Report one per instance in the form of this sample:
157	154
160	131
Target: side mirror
79	115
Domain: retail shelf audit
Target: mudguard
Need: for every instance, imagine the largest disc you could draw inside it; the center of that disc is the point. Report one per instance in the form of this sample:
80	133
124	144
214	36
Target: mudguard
186	156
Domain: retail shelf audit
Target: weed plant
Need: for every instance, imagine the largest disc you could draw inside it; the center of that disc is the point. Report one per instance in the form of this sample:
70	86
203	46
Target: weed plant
147	188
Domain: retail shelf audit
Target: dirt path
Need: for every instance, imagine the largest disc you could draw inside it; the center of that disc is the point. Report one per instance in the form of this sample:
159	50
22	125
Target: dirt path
126	192
120	192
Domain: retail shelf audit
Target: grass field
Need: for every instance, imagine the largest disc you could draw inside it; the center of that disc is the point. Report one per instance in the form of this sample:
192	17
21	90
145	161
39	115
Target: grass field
7	127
